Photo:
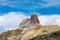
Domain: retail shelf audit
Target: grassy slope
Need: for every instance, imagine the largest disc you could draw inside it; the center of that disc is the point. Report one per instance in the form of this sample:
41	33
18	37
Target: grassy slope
4	35
33	33
50	36
39	31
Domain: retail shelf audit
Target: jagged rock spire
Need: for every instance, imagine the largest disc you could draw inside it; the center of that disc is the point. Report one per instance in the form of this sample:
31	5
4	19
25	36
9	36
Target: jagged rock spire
33	20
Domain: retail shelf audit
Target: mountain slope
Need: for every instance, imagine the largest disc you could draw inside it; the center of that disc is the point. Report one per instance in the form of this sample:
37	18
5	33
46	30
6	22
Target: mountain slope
39	30
35	32
31	29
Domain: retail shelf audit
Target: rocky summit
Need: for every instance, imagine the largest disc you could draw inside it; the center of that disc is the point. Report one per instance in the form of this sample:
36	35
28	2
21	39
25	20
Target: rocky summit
28	22
31	29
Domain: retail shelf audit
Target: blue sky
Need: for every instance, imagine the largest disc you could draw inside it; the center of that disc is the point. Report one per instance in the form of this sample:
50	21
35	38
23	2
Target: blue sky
45	7
16	10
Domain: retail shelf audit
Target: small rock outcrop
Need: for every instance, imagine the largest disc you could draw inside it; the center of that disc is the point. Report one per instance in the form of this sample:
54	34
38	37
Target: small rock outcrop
25	22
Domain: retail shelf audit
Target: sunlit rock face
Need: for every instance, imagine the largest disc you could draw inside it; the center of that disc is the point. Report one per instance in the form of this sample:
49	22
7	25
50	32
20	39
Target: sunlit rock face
27	22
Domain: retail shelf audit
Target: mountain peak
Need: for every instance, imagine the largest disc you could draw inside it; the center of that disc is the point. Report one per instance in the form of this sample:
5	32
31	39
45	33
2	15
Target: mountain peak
28	22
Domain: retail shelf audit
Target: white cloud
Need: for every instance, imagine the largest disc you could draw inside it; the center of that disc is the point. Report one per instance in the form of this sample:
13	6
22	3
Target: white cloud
50	19
12	20
49	3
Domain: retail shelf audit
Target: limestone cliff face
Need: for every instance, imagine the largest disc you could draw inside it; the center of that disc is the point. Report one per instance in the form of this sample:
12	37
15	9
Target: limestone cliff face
31	29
